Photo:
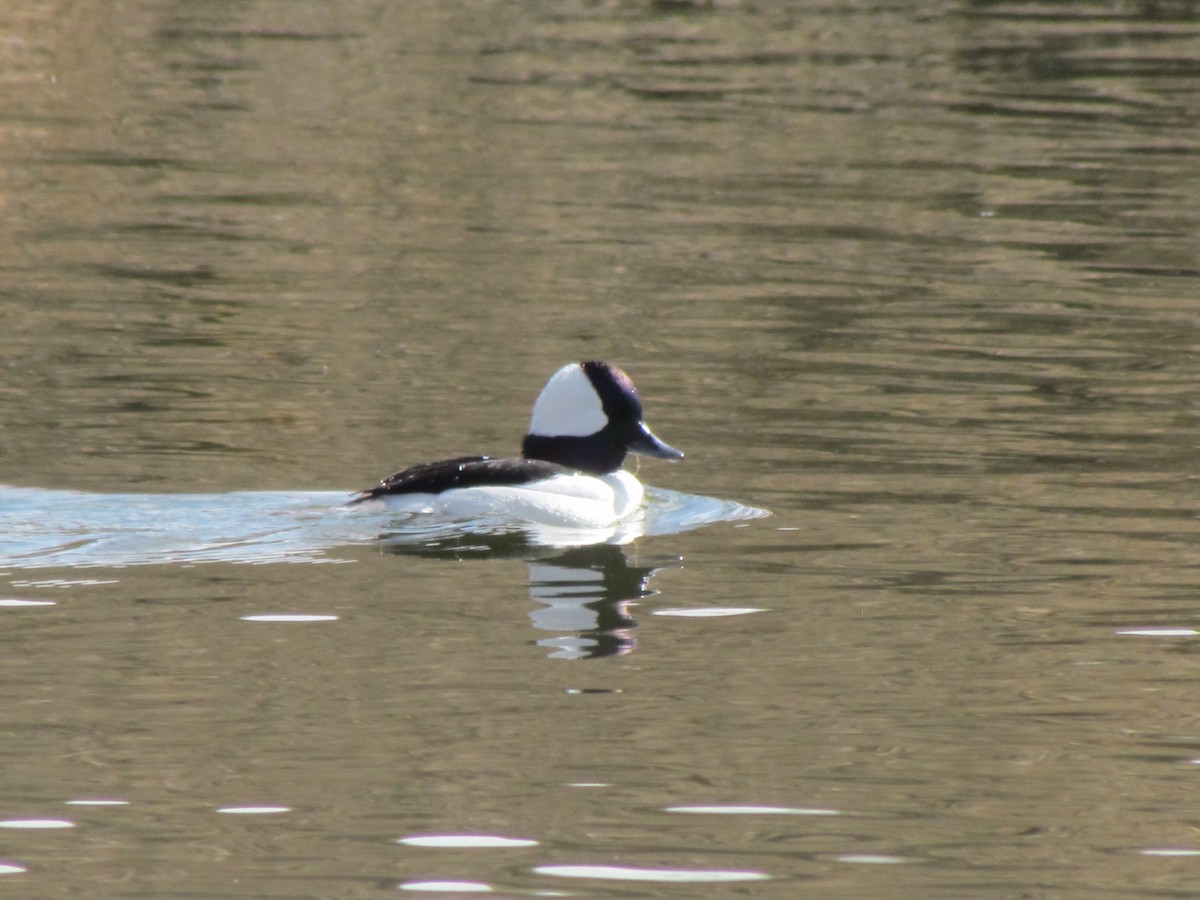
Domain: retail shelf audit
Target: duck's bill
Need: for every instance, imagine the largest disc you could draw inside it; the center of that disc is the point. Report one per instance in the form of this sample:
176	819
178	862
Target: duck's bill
646	444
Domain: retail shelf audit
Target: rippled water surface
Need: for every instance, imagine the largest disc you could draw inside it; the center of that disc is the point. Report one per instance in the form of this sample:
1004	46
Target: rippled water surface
44	529
921	280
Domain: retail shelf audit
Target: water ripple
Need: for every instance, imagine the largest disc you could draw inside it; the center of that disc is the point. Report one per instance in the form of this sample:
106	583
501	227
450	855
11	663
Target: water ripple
56	528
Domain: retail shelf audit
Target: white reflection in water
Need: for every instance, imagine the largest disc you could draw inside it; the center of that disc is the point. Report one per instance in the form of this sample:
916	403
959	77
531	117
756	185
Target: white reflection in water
1160	632
585	593
254	810
97	802
1170	851
588	593
464	840
448	887
16	602
628	873
64	582
36	823
753	810
712	612
665	512
11	869
872	859
288	617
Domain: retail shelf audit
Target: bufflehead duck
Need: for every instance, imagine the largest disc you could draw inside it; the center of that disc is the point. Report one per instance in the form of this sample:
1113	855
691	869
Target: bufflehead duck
587	417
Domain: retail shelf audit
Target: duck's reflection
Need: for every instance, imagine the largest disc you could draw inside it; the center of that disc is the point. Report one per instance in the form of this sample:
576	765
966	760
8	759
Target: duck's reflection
587	593
584	593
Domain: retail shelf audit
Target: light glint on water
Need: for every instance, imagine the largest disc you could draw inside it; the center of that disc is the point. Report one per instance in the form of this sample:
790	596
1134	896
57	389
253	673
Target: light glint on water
714	612
97	802
666	876
872	859
1159	632
447	887
753	810
465	841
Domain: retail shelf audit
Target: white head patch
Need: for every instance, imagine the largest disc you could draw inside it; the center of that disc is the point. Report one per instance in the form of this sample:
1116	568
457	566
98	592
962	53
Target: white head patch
568	406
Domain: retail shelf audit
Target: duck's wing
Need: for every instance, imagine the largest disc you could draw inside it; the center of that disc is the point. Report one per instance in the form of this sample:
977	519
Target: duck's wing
462	472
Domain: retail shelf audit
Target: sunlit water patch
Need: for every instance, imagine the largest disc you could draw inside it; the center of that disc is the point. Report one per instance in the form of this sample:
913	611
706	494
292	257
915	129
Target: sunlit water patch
36	824
98	801
1159	632
753	810
54	528
447	887
459	841
709	612
873	859
669	876
63	582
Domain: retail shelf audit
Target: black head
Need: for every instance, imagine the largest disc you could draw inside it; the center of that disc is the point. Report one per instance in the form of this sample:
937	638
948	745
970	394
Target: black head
588	417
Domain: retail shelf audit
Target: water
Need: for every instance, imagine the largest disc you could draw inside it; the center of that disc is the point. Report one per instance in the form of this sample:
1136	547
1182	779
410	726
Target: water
45	529
923	283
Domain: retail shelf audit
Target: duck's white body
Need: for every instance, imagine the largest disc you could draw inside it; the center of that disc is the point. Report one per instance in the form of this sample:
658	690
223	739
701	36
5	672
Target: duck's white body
565	501
586	419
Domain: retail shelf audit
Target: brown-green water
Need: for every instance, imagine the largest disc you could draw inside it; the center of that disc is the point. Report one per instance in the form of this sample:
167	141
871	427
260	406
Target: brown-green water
921	279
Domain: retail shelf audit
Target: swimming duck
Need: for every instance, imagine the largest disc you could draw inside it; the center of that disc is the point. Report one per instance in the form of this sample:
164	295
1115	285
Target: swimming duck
587	418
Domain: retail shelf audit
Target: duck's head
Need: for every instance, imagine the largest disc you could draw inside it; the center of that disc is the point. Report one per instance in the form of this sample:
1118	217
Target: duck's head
587	417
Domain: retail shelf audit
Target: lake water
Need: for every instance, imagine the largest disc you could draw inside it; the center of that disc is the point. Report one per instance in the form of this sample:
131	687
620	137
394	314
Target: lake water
922	280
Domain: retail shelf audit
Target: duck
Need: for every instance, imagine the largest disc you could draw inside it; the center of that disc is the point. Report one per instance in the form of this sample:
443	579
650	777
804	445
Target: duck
585	421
